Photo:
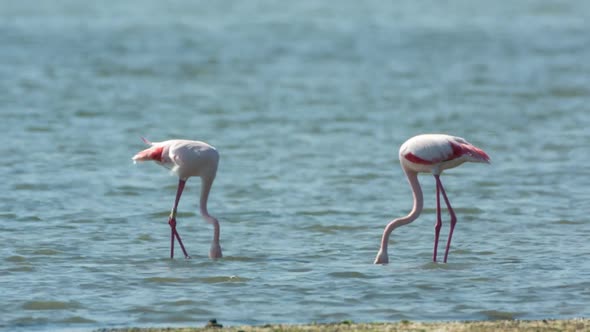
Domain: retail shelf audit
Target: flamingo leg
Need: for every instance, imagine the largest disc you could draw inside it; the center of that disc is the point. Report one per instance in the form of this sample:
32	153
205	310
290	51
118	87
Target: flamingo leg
172	222
172	235
453	217
438	224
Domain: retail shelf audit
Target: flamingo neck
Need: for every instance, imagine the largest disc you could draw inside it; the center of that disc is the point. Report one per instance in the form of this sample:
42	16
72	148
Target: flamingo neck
207	182
417	208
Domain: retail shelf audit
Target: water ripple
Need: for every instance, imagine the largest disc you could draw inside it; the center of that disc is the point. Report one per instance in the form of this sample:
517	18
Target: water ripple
51	305
349	275
78	320
207	280
308	117
500	315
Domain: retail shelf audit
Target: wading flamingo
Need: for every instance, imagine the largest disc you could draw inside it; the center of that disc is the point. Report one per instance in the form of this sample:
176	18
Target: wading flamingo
185	159
430	153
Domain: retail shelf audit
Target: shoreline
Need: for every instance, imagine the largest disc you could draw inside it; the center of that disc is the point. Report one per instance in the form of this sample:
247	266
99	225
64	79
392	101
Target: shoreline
567	325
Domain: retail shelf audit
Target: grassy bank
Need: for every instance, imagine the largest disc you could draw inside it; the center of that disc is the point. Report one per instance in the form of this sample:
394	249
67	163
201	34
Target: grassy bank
568	325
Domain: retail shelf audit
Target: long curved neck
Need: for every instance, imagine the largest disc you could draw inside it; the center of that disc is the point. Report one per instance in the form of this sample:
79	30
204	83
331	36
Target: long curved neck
206	183
418	204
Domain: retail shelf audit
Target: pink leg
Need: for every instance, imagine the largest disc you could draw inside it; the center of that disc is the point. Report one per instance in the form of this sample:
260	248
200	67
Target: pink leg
453	219
181	245
438	224
172	222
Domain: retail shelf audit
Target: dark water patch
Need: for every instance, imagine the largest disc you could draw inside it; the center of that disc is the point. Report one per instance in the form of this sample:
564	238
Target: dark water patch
46	252
8	216
197	312
179	214
166	280
318	212
555	147
570	92
425	286
484	253
144	238
585	285
467	210
500	315
299	269
114	193
207	280
191	71
170	318
181	303
87	114
15	259
330	302
481	279
50	305
116	70
32	186
462	307
30	321
131	188
331	229
39	129
30	218
77	320
244	258
408	295
143	310
67	226
114	220
366	176
389	311
569	222
333	316
349	275
460	251
446	266
192	307
82	221
510	261
26	268
487	184
223	279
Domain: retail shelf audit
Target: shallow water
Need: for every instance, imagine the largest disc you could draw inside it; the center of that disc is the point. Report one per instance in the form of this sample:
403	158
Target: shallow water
307	104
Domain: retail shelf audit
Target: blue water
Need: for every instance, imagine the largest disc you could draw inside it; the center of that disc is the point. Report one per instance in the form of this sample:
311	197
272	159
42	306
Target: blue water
307	103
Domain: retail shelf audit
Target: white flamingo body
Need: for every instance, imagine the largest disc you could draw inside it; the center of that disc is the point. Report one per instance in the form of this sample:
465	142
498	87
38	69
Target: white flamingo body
187	158
433	153
183	157
430	153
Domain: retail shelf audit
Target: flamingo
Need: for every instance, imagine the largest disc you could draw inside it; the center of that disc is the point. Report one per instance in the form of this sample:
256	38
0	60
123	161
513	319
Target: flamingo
185	159
430	153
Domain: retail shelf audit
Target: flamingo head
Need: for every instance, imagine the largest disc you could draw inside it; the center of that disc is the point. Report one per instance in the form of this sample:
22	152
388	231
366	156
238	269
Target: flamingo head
215	251
472	153
477	155
382	257
153	153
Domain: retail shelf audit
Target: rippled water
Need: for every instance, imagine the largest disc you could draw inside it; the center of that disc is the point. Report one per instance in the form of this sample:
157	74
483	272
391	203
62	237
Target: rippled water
307	103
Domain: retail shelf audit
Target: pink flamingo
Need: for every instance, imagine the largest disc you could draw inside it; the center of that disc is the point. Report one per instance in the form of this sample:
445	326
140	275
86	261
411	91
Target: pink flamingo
185	159
430	153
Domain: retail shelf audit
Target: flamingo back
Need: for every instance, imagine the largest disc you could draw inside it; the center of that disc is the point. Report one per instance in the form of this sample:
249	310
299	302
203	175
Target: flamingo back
437	152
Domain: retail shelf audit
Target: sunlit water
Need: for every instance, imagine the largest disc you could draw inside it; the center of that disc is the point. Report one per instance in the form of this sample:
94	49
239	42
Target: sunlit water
307	103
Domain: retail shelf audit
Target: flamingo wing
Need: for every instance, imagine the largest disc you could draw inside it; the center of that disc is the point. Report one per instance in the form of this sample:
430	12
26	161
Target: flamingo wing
437	148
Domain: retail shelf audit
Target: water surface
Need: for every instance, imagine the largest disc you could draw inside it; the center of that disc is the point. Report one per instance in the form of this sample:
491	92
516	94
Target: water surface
307	103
